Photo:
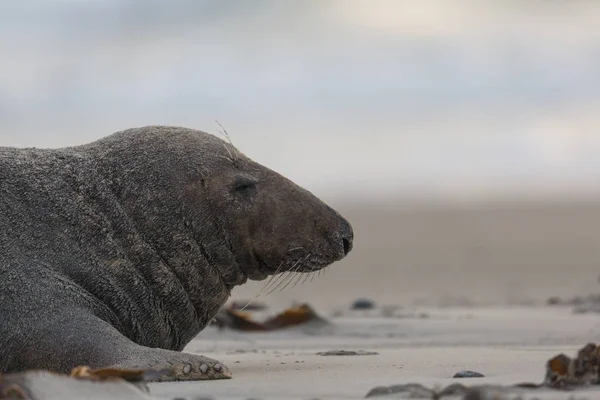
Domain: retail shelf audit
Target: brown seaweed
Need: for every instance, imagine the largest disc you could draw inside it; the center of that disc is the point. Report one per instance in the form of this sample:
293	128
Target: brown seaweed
242	321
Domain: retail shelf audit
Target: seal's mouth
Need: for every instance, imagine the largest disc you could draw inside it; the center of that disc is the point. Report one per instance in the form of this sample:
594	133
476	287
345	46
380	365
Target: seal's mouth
294	263
297	260
262	271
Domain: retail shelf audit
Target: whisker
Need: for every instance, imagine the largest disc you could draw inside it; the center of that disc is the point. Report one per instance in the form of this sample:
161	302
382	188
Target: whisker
230	158
306	276
310	275
288	282
275	284
300	276
224	132
266	285
291	272
263	288
296	270
272	281
250	302
227	158
285	276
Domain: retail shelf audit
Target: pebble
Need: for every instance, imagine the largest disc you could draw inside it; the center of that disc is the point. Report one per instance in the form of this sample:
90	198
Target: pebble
347	353
468	374
363	304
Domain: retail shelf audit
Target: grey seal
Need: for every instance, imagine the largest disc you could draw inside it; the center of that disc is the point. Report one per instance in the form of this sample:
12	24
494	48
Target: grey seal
117	253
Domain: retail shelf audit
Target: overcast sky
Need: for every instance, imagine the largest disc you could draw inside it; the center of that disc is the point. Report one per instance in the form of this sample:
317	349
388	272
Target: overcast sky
373	97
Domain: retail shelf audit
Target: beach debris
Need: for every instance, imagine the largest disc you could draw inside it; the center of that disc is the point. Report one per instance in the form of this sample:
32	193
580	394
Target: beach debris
363	307
562	373
468	374
114	374
297	315
580	304
584	370
574	301
453	391
363	304
347	353
82	382
302	314
418	391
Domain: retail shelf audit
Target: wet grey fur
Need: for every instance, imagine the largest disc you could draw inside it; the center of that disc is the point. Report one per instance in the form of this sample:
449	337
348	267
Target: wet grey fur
119	252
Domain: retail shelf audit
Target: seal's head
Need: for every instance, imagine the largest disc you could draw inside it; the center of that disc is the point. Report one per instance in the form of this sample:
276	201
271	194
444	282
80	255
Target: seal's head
248	221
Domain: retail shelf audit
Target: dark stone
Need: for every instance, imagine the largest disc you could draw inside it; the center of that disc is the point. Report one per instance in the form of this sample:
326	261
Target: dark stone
363	304
468	374
347	353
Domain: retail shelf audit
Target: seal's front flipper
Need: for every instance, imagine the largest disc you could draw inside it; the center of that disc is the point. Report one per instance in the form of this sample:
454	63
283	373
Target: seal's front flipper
78	338
183	366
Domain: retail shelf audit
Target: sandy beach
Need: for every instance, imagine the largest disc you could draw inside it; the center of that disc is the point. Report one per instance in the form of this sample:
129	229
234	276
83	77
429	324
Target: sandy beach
470	285
507	345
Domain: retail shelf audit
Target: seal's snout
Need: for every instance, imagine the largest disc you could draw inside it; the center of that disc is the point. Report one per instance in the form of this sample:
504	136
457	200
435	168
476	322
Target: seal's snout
341	235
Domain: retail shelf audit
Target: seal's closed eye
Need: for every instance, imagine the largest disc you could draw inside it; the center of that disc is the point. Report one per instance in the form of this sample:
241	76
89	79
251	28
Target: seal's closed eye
244	185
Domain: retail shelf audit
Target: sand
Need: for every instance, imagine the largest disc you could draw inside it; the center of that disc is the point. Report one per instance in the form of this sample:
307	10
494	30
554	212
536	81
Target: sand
481	273
507	345
470	282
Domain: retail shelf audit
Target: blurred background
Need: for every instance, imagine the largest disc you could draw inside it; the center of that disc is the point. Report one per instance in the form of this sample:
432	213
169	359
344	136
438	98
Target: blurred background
460	138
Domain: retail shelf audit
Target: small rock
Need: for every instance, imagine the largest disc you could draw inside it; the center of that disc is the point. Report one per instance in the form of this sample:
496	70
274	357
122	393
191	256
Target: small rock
363	304
554	301
378	391
468	374
347	353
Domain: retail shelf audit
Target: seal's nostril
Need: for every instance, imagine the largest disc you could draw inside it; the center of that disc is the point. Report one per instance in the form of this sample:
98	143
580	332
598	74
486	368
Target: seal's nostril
347	246
347	236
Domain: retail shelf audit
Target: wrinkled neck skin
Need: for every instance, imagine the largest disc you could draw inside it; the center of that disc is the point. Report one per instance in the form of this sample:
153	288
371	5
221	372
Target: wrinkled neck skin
180	253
